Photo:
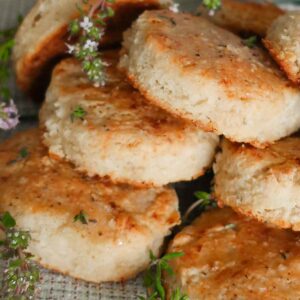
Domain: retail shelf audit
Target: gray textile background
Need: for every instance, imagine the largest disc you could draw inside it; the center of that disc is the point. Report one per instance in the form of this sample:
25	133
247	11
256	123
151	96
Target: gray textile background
54	286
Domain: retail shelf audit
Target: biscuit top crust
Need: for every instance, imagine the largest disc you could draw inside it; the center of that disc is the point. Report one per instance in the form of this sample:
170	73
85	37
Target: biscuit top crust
201	49
115	107
283	42
244	17
282	156
44	32
227	254
37	184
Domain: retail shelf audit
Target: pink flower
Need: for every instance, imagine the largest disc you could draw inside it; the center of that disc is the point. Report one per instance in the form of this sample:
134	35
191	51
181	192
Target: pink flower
9	117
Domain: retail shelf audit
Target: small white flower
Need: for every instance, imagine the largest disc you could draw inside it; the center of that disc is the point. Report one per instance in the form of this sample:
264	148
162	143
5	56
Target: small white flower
86	24
211	12
174	7
90	45
71	48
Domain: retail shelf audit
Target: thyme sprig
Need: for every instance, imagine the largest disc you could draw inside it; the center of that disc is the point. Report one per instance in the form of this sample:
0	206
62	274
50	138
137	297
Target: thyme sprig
212	5
20	276
203	202
89	29
153	280
8	112
6	45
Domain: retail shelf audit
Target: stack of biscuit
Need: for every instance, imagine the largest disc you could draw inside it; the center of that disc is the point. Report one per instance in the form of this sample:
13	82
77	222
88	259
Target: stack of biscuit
178	83
93	189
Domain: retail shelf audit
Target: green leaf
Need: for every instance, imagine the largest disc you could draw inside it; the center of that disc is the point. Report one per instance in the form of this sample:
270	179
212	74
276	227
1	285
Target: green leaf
15	263
177	295
212	4
251	41
158	284
5	50
152	256
172	255
8	221
74	27
148	279
24	152
90	57
110	12
153	296
165	266
153	277
78	113
5	93
81	217
202	195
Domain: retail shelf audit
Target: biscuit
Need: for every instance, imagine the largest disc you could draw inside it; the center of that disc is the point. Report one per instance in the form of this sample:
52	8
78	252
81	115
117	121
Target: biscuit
283	42
205	74
121	136
228	256
244	17
41	38
262	183
123	223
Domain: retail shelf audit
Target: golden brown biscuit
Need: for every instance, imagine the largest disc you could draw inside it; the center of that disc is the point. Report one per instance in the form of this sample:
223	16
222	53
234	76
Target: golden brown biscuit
206	74
283	42
41	38
229	257
244	17
120	136
261	183
44	196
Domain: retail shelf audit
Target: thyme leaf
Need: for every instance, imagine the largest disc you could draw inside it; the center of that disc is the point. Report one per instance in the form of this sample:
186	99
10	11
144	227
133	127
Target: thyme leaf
89	29
78	113
212	4
251	41
81	217
153	280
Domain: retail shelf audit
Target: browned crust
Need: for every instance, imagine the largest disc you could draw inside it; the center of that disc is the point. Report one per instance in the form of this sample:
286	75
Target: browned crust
30	67
278	223
116	180
285	67
178	114
245	17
